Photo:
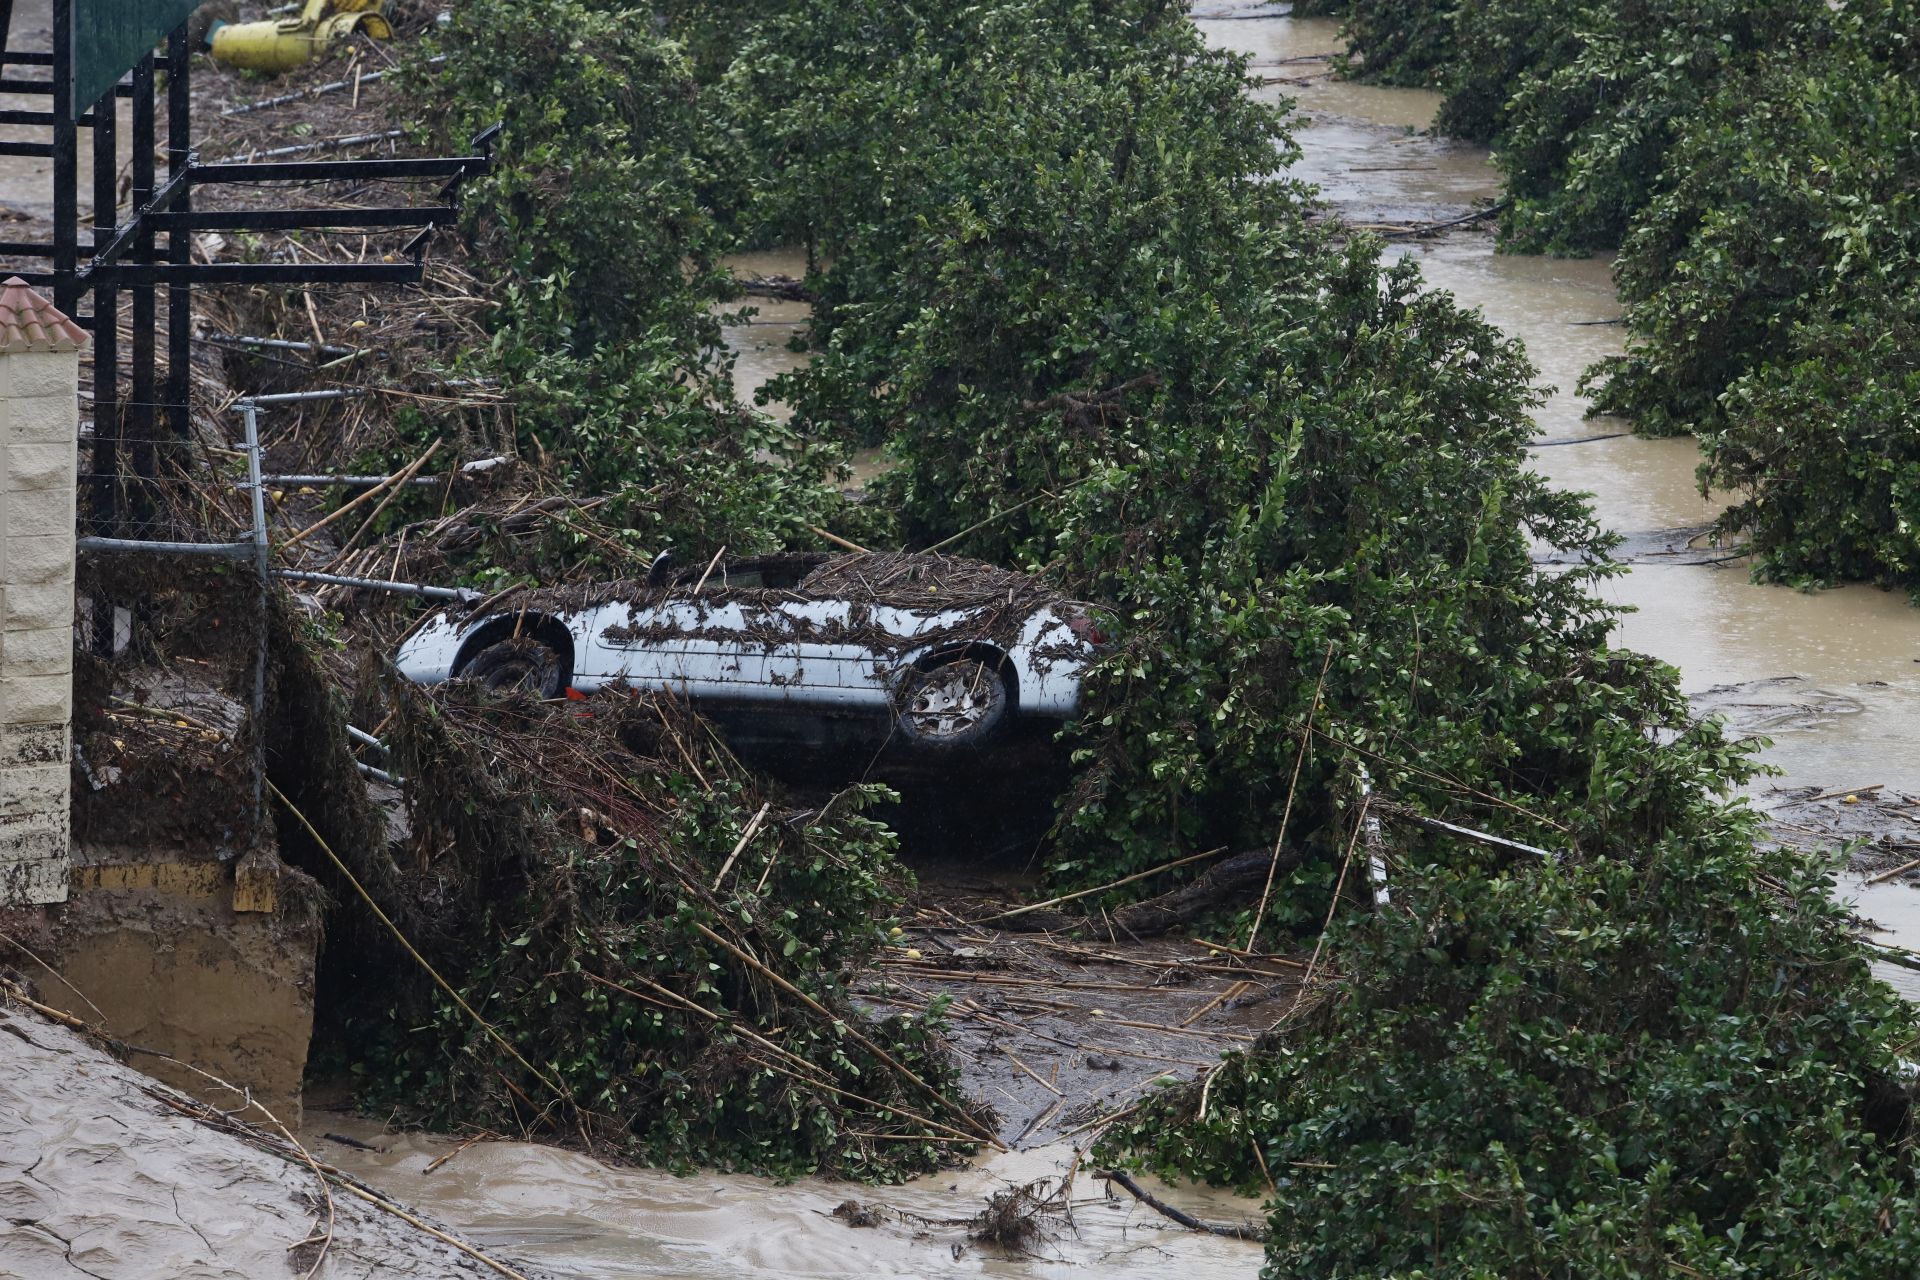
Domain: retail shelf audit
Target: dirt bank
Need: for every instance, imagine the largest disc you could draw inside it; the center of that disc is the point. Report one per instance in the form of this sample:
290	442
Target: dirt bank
104	1174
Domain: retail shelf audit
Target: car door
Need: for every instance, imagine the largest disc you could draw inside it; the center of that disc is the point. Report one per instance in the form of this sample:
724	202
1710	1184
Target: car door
750	646
824	653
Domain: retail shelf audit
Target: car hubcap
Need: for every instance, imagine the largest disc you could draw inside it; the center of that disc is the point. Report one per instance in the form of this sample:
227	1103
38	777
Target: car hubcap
949	701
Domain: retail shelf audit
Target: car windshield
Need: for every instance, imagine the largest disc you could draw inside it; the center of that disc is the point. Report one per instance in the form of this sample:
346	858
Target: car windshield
765	572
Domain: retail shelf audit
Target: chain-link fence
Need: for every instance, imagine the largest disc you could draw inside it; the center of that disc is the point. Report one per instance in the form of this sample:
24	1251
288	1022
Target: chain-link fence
166	495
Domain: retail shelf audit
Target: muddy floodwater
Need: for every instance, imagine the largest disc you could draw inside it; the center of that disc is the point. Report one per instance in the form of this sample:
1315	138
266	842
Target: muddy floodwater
1832	678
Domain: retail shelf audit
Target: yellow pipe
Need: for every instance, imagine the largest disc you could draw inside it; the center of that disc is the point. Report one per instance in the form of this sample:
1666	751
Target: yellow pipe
292	42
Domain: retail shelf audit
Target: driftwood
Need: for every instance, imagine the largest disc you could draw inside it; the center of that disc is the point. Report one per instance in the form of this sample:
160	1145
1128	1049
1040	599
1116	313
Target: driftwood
784	288
1180	1216
1222	882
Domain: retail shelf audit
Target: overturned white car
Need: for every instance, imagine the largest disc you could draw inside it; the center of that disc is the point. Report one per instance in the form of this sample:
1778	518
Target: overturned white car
936	652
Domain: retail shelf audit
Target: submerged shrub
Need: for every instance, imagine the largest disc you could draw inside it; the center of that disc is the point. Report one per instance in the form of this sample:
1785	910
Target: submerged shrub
1823	447
1793	191
1100	338
1097	341
1669	1063
600	228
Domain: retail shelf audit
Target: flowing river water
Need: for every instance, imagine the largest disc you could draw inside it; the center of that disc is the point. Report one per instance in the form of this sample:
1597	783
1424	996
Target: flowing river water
1833	678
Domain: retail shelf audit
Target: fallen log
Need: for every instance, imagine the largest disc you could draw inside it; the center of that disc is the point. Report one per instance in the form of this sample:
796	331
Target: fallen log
1180	1216
1222	882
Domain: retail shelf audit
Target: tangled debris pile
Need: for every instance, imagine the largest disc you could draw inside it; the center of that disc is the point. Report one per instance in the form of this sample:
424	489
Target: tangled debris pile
651	948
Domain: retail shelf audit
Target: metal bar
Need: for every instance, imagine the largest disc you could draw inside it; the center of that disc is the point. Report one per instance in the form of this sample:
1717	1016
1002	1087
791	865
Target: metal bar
126	275
361	735
332	86
342	170
1471	836
380	775
224	550
107	427
179	243
26	248
351	482
66	196
308	148
144	302
130	231
38	119
250	415
262	563
303	397
37	150
1375	841
301	219
9	84
479	466
278	344
460	594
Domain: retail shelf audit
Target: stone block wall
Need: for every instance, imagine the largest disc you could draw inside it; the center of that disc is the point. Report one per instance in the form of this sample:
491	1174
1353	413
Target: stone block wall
39	441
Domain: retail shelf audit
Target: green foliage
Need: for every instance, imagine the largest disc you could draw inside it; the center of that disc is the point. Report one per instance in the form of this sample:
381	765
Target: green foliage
1585	140
1792	190
600	229
1056	283
1769	291
1759	163
601	208
1672	1063
1091	327
1399	42
1580	102
1824	447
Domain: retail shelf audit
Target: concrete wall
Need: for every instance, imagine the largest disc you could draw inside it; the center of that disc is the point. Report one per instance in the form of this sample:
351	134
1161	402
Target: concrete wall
39	428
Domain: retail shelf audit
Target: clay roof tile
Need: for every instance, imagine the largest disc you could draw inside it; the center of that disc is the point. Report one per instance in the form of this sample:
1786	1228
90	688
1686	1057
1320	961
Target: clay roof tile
30	322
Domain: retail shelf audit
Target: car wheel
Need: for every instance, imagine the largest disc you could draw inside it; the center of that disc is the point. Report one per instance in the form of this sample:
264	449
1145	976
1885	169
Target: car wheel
960	704
525	664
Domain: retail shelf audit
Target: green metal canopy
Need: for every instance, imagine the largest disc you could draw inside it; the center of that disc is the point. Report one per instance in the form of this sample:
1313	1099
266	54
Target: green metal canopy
109	36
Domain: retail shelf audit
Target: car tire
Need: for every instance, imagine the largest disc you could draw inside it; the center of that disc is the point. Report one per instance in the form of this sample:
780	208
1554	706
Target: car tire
956	706
524	664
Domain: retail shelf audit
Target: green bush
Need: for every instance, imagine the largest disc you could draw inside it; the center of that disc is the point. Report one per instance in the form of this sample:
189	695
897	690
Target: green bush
1580	102
1138	363
1823	446
1673	1063
1794	189
1400	42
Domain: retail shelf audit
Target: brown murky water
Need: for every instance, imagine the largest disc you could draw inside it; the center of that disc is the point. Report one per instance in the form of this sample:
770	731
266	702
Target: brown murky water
761	343
577	1217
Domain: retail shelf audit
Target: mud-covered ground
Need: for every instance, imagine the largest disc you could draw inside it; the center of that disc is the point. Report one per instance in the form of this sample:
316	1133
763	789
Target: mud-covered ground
106	1173
1058	1035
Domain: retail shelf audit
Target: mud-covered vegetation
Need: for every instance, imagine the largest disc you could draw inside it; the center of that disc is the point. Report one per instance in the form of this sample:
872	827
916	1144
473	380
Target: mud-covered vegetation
663	939
1100	338
600	229
1754	165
